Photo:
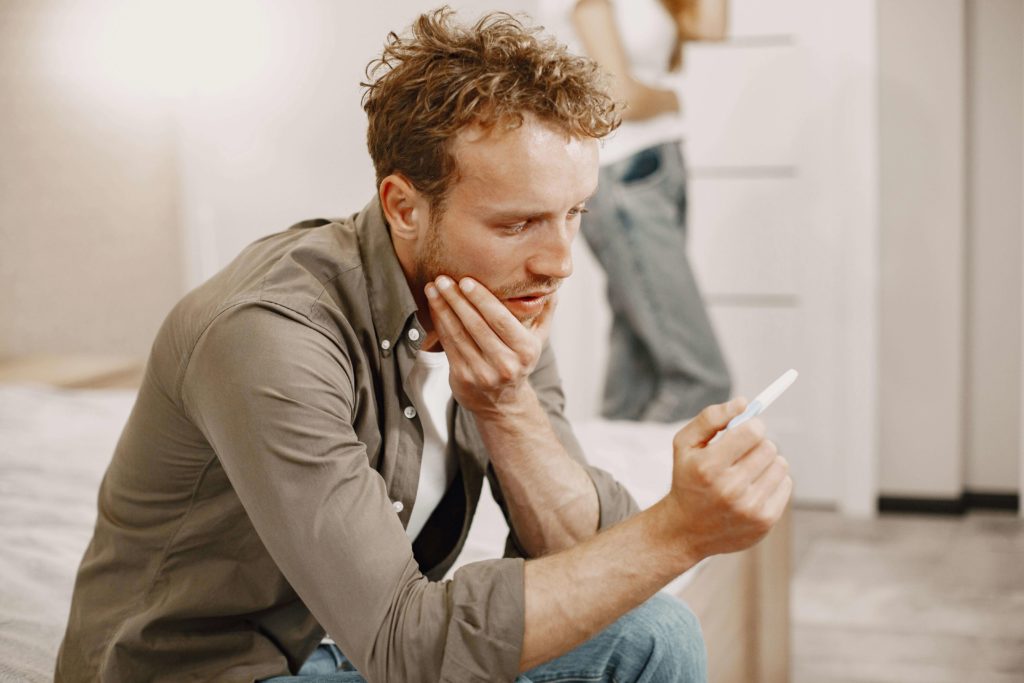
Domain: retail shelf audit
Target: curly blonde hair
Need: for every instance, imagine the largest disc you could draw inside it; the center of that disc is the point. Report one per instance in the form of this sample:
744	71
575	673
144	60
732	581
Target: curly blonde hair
441	77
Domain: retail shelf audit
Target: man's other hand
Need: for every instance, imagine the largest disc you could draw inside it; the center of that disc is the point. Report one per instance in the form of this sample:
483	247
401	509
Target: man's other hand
727	495
491	353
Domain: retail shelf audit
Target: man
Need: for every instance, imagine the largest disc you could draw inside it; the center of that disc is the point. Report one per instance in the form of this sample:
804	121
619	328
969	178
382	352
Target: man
290	469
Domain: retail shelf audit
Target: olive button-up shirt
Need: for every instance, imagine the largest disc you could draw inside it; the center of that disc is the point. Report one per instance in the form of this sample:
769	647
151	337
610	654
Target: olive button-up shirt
259	493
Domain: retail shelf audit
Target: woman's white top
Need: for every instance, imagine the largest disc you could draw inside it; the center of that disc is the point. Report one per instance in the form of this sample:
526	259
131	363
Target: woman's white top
648	35
430	393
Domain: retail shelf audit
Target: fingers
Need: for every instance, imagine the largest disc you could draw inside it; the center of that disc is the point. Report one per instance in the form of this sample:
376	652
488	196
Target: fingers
492	325
762	500
779	498
747	465
700	430
458	345
769	489
462	316
769	478
735	444
474	335
756	460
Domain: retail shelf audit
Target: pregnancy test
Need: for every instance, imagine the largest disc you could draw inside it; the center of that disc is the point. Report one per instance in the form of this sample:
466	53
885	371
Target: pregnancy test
764	399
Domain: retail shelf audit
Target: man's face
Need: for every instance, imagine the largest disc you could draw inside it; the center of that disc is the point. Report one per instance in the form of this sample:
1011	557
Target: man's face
510	218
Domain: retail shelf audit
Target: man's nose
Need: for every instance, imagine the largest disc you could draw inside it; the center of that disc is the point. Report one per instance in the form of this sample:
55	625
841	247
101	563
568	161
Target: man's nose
553	257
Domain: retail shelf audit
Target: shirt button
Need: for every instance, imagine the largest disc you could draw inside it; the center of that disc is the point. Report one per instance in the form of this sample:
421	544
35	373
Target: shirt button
409	412
386	344
398	506
414	334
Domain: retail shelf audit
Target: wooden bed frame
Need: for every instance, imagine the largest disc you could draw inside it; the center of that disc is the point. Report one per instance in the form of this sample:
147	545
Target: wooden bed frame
73	371
741	599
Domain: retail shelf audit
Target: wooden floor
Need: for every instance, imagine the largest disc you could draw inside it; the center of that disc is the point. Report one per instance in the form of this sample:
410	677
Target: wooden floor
903	598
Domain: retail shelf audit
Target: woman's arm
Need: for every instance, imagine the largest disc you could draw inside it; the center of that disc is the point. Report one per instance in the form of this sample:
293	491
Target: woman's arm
594	21
702	20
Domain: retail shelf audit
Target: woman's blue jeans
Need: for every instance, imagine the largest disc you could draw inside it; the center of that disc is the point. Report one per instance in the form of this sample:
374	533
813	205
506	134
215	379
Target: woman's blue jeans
658	642
664	363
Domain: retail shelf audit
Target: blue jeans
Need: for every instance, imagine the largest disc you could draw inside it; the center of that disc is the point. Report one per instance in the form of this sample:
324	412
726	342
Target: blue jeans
658	642
665	363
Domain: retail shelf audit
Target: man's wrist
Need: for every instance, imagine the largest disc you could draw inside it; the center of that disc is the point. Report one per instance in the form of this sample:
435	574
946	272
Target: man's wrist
670	536
514	408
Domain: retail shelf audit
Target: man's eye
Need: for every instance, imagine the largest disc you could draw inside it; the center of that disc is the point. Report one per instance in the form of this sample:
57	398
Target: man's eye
516	228
578	211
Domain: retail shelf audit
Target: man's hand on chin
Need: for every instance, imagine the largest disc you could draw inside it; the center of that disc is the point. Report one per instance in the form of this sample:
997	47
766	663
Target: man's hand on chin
491	353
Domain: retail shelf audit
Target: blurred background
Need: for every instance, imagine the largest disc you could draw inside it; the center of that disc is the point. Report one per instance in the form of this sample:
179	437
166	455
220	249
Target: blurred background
855	189
855	184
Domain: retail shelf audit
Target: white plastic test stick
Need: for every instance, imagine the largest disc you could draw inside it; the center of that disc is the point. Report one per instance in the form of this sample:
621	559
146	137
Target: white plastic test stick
765	398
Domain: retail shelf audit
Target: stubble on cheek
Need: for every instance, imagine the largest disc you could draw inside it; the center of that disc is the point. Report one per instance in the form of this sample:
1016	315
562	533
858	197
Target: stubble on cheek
433	263
429	264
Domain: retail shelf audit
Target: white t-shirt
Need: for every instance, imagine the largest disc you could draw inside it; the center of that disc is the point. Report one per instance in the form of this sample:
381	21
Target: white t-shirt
430	393
648	36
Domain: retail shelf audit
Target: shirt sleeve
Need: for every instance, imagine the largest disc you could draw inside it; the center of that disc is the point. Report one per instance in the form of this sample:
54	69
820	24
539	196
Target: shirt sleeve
274	397
615	502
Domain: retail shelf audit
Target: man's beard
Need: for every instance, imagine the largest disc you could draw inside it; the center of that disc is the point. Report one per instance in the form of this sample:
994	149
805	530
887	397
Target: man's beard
432	263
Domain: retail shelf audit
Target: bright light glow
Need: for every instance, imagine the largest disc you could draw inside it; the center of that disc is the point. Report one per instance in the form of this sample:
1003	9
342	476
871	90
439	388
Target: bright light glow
165	48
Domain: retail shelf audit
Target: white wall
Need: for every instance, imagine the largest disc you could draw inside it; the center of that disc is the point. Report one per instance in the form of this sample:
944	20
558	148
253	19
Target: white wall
770	230
951	111
924	334
921	48
90	258
783	176
282	137
1020	471
95	177
850	74
782	148
995	40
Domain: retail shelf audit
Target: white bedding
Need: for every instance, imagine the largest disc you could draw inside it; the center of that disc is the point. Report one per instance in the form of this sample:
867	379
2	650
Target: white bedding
54	448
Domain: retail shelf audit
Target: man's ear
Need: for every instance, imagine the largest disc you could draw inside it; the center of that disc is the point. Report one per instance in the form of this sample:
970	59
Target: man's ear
405	209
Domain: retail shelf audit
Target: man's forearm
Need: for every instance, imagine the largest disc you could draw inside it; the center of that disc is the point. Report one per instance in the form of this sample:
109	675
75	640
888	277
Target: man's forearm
550	497
551	500
572	595
725	497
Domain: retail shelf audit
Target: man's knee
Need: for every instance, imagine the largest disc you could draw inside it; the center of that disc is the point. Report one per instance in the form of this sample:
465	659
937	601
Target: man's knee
658	642
672	634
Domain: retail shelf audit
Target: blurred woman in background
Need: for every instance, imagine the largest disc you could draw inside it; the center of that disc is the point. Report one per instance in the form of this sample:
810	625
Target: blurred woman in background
665	362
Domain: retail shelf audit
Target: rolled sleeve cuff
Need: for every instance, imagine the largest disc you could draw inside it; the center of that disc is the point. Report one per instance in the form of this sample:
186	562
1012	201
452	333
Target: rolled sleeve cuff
488	618
614	502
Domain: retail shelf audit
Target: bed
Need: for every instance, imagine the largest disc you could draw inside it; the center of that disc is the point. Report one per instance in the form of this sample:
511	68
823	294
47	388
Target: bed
61	416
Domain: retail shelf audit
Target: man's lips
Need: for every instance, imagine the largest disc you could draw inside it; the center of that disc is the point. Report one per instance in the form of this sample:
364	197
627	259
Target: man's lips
532	296
528	304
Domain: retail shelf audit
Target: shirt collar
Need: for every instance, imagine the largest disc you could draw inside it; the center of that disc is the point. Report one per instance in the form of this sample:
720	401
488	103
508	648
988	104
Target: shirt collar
391	301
